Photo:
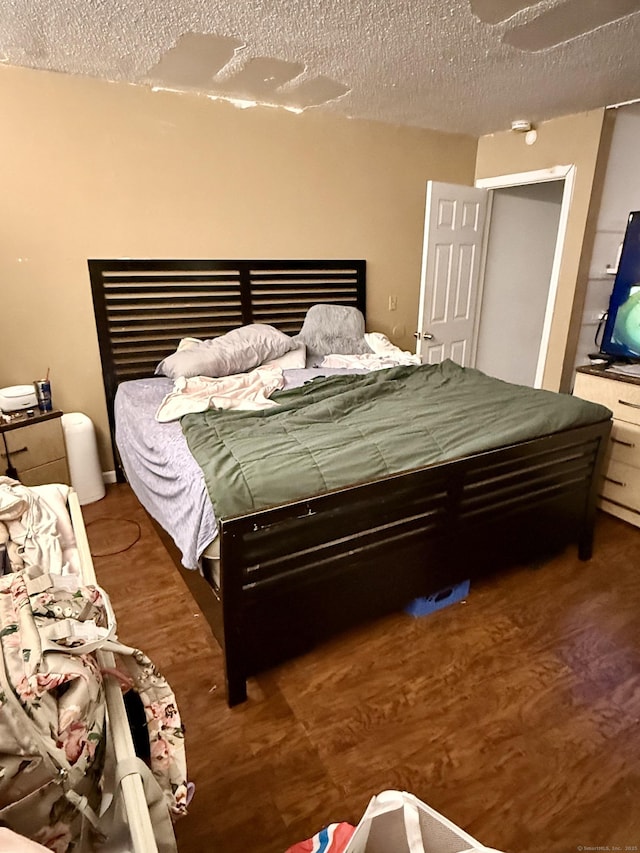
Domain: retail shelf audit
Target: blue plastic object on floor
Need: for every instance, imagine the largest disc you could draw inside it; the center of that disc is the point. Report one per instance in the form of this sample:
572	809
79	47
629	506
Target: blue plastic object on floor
438	600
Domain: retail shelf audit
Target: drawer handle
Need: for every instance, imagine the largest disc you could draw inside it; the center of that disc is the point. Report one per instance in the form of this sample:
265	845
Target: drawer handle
631	405
625	443
616	482
15	452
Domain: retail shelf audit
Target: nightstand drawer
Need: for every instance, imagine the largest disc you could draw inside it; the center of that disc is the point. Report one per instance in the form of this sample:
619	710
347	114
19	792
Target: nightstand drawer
52	472
621	484
624	444
34	445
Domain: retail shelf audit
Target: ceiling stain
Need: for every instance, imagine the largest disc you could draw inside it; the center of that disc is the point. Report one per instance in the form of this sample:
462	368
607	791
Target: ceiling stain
496	11
555	25
222	67
572	19
194	61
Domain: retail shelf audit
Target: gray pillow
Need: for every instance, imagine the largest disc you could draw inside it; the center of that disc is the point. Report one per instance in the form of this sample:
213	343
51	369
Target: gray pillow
235	352
333	329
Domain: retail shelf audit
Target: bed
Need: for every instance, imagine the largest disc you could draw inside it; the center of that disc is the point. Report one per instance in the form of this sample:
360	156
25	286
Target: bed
289	574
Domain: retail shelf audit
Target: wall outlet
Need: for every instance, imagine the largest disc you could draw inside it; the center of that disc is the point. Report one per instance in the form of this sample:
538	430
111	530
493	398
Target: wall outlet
393	303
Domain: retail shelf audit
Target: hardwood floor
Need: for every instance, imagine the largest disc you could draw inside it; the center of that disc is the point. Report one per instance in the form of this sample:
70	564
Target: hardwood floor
516	714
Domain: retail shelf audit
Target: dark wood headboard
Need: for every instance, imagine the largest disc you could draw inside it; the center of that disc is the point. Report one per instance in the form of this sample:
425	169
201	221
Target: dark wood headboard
143	308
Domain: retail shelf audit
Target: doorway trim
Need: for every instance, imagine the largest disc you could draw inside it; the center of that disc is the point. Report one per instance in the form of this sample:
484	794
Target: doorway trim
555	173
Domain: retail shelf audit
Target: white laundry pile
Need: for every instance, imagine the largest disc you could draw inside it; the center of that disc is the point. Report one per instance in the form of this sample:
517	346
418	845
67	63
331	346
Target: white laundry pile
248	391
383	354
35	527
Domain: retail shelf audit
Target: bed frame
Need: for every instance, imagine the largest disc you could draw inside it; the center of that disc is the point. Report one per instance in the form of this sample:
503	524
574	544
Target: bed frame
292	575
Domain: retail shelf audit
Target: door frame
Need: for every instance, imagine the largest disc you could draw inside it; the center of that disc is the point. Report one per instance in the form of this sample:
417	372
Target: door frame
554	173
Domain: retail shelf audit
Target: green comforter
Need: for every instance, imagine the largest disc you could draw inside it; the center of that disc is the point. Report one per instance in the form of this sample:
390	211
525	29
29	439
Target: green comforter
342	430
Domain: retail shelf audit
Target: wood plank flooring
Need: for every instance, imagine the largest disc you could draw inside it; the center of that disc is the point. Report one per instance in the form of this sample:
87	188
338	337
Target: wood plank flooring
516	714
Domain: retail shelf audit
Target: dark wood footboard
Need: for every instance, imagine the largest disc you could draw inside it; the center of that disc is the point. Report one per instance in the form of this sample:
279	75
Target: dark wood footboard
295	574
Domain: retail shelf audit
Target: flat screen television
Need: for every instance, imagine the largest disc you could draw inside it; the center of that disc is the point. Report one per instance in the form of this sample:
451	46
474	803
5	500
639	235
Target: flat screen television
621	336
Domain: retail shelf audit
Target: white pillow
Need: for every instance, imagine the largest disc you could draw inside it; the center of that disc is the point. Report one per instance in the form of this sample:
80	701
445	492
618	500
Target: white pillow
235	352
295	359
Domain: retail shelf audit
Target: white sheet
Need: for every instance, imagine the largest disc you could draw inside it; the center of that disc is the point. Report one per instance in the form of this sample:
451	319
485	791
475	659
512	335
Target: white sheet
249	391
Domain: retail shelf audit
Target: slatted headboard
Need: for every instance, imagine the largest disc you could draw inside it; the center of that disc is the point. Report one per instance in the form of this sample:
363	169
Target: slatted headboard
144	307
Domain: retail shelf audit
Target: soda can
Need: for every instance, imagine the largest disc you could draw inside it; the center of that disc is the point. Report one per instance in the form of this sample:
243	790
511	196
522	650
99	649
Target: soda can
43	394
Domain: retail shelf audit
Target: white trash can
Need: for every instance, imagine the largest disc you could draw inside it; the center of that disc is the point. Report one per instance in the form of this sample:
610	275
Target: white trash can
82	456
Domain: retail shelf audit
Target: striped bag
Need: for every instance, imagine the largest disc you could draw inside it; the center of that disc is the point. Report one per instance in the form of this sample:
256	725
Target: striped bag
332	839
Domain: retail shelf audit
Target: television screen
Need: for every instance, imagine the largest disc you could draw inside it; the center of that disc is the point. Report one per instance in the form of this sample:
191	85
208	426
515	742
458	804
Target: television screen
621	337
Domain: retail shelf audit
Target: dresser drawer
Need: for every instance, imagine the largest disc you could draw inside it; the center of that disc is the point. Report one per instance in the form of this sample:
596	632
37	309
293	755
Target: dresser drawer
626	405
624	444
621	484
36	444
623	398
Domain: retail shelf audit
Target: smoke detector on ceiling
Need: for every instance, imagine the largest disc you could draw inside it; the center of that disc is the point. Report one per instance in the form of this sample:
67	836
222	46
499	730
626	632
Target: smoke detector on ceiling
526	128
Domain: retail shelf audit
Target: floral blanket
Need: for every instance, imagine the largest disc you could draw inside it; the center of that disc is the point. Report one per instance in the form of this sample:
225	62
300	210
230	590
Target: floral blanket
53	733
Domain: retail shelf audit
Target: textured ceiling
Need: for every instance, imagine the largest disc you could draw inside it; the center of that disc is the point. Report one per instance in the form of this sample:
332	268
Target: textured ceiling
469	66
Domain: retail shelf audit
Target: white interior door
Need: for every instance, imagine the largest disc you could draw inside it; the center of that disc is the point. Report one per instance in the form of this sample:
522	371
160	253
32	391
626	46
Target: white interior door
451	266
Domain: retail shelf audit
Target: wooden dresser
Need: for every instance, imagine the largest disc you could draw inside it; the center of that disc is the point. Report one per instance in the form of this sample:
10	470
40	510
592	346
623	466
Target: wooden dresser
34	447
620	493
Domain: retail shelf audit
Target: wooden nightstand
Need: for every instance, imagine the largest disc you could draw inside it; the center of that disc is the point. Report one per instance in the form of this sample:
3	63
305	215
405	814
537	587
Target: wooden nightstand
34	447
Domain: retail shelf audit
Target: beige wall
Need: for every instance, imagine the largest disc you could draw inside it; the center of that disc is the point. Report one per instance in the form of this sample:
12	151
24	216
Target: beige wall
92	169
571	140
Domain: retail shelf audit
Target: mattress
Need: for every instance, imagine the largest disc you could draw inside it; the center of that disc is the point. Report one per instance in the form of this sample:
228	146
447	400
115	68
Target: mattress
160	469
